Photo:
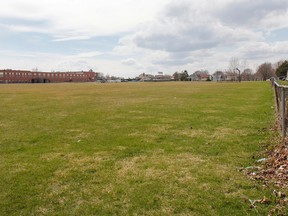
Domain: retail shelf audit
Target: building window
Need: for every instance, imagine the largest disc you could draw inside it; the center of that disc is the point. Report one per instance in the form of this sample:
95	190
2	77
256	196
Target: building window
1	74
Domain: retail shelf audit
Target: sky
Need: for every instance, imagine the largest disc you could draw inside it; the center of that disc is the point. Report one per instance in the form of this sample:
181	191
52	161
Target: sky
128	37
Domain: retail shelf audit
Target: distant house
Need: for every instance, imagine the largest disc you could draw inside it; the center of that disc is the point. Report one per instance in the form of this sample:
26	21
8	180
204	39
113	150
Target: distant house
204	77
200	76
230	76
145	77
160	77
218	76
163	77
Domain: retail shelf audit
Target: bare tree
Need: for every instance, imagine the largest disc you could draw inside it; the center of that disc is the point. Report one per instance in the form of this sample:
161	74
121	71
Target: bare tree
234	63
247	75
243	65
265	71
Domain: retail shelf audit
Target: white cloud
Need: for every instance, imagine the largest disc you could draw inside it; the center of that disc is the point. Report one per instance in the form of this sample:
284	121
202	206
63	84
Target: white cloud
159	35
201	33
254	14
87	54
22	28
187	26
191	36
77	65
129	61
81	18
63	37
264	51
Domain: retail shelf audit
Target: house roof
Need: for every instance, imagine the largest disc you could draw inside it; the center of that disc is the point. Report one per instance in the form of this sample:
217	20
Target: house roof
204	75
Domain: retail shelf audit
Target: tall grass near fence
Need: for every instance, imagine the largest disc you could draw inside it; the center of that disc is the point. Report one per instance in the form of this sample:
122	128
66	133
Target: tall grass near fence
132	149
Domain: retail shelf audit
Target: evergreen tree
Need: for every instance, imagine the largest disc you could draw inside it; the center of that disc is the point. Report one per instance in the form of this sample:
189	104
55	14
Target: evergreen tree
282	69
184	75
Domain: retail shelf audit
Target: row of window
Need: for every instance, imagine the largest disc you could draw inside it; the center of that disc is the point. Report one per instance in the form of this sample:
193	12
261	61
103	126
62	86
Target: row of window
13	81
29	74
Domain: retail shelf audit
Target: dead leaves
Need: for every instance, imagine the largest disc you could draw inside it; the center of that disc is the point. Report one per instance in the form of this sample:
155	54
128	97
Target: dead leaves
279	202
272	170
265	200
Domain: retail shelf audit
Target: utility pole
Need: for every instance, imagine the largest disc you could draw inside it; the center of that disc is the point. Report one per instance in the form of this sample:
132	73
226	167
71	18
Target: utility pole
239	74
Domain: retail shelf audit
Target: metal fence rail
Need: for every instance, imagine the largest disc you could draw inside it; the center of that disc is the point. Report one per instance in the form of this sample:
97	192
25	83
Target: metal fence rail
281	93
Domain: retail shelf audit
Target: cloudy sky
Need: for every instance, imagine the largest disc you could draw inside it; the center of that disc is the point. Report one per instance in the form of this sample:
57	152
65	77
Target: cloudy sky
129	37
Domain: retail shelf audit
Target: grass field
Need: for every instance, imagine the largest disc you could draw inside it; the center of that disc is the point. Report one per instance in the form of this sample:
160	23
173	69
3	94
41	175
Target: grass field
133	148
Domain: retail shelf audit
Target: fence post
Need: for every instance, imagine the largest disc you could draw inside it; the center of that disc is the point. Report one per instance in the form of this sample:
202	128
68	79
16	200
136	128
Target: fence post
283	112
276	96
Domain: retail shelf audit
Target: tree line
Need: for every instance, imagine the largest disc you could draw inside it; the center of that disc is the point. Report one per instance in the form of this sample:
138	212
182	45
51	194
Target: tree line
239	70
264	71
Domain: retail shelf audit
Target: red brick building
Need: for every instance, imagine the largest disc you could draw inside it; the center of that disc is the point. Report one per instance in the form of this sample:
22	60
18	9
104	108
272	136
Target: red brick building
23	76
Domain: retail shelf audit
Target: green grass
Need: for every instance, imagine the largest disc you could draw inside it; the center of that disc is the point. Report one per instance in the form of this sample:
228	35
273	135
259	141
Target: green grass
132	149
